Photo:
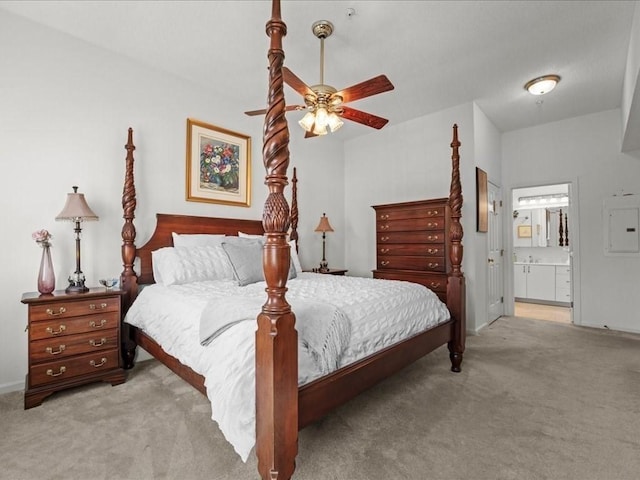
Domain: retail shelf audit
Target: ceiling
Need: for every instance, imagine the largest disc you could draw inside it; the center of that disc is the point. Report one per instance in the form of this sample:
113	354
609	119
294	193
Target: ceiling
438	54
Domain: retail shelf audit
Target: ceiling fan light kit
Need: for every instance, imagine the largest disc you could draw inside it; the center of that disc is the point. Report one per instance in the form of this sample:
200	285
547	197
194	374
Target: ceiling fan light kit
542	85
324	104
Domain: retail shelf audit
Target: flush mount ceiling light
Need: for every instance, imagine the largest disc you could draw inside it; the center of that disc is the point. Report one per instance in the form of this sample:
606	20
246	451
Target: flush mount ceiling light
542	85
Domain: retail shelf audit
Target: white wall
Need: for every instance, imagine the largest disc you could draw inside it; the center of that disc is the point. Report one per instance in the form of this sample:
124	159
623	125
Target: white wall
66	107
587	152
631	89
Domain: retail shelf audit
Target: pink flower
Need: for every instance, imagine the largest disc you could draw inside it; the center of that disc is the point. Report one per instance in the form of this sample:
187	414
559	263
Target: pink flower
42	237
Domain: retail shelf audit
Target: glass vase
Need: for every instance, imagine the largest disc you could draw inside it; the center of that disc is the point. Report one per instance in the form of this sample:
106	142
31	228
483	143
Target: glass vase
46	275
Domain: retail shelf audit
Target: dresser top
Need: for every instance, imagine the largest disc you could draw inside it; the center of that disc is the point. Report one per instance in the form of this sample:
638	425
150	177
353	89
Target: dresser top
418	203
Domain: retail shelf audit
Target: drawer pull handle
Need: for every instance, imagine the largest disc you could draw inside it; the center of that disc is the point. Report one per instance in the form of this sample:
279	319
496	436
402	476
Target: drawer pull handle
60	372
103	360
429	224
432	213
384	227
93	306
384	239
384	217
433	265
93	323
435	284
384	263
61	349
60	311
93	343
432	251
56	332
432	237
384	250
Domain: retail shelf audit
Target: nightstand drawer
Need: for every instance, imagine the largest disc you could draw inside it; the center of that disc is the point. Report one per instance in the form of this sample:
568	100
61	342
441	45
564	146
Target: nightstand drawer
429	264
66	309
63	369
55	348
70	326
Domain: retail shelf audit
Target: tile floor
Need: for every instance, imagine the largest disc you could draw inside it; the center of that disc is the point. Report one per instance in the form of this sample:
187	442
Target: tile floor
543	312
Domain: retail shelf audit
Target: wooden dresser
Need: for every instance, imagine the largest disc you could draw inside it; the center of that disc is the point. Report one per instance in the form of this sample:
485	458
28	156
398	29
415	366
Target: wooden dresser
73	339
412	245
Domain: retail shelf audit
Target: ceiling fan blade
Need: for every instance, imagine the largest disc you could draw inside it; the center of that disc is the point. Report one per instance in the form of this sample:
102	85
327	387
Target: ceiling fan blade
364	118
294	82
373	86
252	113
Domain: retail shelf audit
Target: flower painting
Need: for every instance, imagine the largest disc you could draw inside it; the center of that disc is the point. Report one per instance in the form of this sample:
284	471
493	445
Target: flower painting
218	165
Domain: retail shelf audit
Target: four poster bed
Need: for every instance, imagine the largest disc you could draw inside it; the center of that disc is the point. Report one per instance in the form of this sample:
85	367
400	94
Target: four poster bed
295	383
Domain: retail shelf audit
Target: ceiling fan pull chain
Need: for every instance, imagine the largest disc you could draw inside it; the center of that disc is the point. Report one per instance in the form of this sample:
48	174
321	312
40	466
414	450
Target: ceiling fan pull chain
322	61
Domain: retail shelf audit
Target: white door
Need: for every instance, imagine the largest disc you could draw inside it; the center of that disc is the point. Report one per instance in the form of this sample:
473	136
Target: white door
495	293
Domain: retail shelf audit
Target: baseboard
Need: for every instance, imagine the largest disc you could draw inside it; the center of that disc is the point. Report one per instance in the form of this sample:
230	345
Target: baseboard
11	387
612	328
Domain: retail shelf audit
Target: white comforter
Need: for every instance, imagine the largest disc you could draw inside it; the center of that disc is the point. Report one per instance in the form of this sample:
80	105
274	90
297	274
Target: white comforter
381	313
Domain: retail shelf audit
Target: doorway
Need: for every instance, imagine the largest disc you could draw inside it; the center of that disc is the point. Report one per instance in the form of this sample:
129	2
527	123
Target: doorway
543	239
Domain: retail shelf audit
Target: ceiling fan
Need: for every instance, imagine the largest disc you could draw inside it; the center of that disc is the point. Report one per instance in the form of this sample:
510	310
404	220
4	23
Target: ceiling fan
324	104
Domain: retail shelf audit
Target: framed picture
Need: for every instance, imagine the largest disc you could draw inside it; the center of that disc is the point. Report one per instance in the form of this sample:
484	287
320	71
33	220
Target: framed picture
482	201
218	165
524	231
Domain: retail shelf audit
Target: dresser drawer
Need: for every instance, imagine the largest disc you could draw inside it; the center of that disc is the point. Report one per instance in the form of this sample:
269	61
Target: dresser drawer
70	326
63	369
67	309
429	264
431	250
55	348
409	237
410	212
435	282
410	225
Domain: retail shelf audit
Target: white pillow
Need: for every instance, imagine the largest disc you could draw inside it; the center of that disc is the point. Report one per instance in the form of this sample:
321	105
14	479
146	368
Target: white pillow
292	243
294	256
196	239
179	265
248	235
245	255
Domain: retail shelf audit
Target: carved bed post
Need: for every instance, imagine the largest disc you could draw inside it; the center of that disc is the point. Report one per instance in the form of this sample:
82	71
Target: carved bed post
455	281
128	277
276	337
294	207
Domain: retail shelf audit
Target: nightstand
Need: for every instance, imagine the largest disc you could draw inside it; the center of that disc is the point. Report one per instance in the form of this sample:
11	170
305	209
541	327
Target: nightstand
330	271
74	339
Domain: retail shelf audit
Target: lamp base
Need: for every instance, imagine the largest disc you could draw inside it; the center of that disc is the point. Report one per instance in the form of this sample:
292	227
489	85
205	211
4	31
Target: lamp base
324	266
76	289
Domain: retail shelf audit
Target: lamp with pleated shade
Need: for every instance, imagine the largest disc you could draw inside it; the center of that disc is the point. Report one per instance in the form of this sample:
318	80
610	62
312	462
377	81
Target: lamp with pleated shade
77	210
324	226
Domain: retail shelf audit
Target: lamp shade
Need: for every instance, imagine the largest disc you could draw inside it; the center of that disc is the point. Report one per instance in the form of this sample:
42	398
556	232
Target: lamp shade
324	225
76	208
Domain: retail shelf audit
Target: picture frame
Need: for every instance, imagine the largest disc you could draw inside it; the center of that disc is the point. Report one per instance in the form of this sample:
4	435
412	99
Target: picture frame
218	165
482	201
524	231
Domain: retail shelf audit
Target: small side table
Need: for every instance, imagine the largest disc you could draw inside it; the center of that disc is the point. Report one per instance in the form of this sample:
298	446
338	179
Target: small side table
330	271
74	339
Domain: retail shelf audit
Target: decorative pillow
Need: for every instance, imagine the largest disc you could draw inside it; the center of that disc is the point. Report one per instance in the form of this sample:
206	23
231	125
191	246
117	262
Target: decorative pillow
179	265
245	255
294	256
292	243
196	239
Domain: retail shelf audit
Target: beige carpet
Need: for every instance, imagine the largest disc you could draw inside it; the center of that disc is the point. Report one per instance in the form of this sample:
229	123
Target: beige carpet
535	400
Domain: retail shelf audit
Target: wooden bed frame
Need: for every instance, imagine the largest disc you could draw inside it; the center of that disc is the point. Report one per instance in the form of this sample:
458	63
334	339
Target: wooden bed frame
281	406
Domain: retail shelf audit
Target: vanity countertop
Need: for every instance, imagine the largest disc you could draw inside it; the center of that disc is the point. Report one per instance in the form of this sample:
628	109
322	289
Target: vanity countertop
555	264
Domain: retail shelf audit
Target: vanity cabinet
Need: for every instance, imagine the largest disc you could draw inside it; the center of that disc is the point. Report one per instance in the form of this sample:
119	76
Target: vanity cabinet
536	282
563	284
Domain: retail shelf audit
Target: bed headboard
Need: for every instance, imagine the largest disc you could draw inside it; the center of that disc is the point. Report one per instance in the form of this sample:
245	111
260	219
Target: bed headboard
166	224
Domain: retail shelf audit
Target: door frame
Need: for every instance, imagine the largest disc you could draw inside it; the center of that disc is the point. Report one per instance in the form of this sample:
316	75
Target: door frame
574	230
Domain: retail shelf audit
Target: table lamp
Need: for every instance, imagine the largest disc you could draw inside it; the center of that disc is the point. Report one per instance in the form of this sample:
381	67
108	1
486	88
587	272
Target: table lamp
77	210
324	227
